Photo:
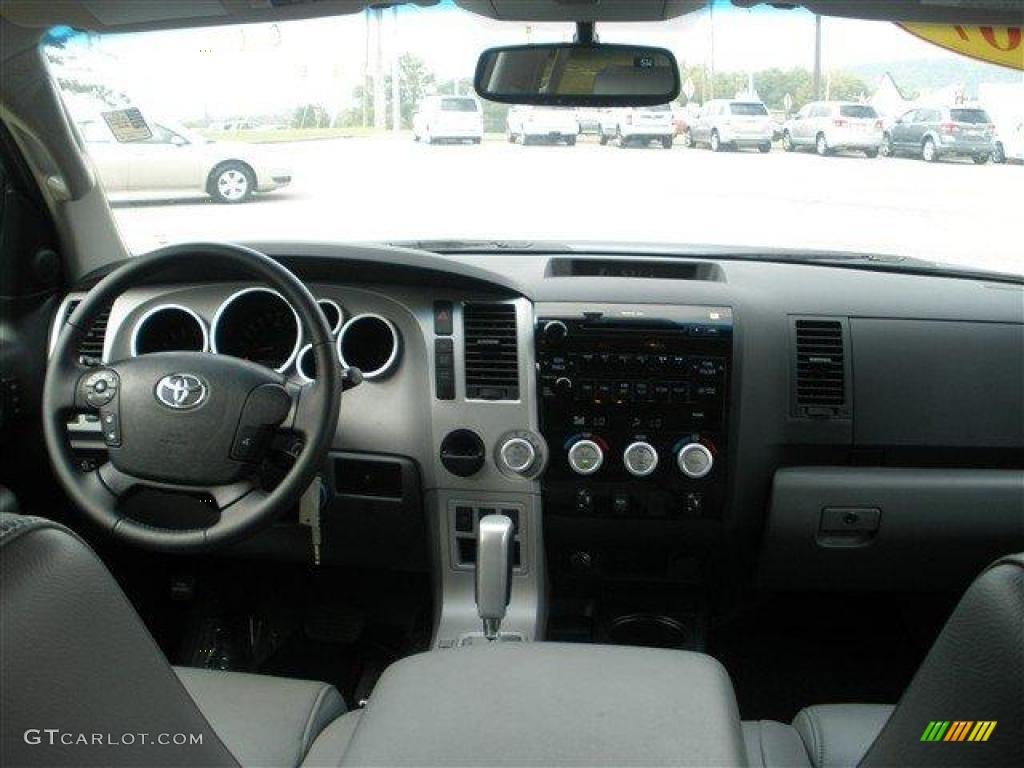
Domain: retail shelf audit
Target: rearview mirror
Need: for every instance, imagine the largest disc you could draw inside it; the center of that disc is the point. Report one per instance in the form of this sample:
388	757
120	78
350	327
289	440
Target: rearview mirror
578	75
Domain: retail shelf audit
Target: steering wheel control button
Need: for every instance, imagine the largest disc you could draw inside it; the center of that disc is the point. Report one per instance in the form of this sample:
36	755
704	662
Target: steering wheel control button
585	457
695	460
111	426
518	455
640	458
248	443
100	388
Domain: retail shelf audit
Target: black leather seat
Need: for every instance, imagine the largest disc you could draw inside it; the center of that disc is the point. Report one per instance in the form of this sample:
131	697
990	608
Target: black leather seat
85	684
974	672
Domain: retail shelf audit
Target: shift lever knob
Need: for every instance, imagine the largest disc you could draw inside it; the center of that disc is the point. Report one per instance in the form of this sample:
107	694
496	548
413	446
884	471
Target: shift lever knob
493	572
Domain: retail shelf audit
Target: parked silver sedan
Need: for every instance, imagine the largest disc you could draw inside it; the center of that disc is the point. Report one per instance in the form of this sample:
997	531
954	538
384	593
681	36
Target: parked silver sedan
175	161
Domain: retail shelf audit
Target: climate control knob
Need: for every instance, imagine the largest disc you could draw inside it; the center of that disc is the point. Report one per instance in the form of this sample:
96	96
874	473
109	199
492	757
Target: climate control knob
518	455
640	459
695	460
585	457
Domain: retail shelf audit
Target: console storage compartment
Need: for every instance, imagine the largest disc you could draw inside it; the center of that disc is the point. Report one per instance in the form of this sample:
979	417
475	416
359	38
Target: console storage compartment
551	704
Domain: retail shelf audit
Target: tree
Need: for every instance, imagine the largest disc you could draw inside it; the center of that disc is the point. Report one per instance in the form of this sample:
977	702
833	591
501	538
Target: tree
310	116
846	87
415	82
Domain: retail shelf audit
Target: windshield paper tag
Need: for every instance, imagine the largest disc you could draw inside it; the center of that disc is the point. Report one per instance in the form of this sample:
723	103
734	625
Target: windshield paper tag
996	45
128	125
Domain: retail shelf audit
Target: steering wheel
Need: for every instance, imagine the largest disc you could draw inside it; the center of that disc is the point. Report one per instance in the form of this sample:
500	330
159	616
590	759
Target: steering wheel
190	422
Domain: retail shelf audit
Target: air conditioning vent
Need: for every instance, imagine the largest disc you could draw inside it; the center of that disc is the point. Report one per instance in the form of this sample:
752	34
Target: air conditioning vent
492	356
90	351
821	368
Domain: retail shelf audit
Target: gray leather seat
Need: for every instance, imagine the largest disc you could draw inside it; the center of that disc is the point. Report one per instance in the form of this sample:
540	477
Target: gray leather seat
974	672
83	682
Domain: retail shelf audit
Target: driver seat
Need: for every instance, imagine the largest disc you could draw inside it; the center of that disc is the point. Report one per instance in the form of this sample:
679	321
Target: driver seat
85	684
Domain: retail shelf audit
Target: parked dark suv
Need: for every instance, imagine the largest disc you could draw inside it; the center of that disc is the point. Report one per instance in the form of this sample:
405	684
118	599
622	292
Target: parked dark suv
936	132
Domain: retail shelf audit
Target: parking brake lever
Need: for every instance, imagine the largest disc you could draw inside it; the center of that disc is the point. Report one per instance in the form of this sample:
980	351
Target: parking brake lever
493	572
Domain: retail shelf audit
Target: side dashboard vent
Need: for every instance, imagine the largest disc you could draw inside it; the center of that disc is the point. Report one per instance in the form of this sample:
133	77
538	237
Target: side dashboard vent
491	351
90	351
821	368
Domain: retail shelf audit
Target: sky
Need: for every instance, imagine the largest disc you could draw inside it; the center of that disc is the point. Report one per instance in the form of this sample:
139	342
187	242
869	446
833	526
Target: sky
223	72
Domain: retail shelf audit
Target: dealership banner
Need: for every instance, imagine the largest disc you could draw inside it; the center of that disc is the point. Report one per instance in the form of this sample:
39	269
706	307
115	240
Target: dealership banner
996	45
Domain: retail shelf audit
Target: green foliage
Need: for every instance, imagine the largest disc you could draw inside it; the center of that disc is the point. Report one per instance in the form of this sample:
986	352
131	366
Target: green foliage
773	84
414	82
310	116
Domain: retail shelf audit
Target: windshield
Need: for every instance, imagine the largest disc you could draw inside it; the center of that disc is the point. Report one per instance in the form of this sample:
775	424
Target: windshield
323	130
976	116
857	111
748	110
458	105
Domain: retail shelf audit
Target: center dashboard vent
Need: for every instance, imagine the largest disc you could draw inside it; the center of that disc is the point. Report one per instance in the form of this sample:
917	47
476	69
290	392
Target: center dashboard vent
90	350
491	351
821	368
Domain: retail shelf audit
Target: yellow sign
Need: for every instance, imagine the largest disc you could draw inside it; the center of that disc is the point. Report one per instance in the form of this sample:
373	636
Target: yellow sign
996	45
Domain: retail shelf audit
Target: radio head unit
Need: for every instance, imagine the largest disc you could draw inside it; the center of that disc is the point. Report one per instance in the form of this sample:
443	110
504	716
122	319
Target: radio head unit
634	407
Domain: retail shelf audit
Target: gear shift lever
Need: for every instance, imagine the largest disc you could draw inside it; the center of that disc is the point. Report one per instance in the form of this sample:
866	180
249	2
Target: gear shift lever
493	572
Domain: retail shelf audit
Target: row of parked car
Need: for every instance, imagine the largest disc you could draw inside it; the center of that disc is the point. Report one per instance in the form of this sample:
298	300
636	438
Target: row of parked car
825	127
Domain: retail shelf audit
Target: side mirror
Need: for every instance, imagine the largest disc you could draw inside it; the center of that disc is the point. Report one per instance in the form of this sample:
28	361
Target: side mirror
578	75
178	141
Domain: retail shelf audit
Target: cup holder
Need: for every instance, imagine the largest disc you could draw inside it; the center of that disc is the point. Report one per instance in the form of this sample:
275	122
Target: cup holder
650	630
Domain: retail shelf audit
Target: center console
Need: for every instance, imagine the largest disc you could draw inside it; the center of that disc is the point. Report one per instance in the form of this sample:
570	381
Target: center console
634	407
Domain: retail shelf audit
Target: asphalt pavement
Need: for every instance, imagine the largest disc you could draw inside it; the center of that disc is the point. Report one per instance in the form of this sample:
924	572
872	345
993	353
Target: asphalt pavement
390	188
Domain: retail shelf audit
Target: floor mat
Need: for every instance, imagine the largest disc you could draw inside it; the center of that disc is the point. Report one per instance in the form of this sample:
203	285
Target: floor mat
821	649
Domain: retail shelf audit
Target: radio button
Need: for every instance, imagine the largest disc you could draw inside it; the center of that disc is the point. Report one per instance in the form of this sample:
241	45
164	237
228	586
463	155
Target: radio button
555	330
680	392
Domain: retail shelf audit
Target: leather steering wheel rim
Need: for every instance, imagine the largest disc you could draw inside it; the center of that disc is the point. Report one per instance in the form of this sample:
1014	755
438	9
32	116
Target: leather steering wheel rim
314	410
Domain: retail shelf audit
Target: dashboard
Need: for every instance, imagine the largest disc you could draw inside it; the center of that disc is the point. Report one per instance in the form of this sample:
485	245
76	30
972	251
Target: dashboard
636	416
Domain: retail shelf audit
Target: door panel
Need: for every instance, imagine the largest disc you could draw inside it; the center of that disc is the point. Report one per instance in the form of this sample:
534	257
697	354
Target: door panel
161	163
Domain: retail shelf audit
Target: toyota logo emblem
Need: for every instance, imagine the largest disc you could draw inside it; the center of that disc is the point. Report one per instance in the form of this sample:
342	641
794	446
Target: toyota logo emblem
181	391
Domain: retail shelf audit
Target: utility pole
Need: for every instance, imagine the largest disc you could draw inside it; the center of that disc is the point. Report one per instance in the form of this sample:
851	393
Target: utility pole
817	57
396	75
366	67
711	19
379	93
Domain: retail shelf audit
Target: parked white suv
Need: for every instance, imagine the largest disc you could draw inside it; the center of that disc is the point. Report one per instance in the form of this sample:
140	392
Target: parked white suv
829	126
638	126
1009	142
536	125
448	118
733	123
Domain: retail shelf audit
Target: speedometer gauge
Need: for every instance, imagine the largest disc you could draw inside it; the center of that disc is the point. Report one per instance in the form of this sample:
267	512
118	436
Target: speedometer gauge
257	324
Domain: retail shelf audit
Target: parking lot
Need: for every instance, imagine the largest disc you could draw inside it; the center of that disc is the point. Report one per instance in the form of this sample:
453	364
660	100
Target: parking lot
390	188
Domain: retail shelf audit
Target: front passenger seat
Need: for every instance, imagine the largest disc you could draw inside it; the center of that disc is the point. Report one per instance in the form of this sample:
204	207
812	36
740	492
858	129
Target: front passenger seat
85	684
973	674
